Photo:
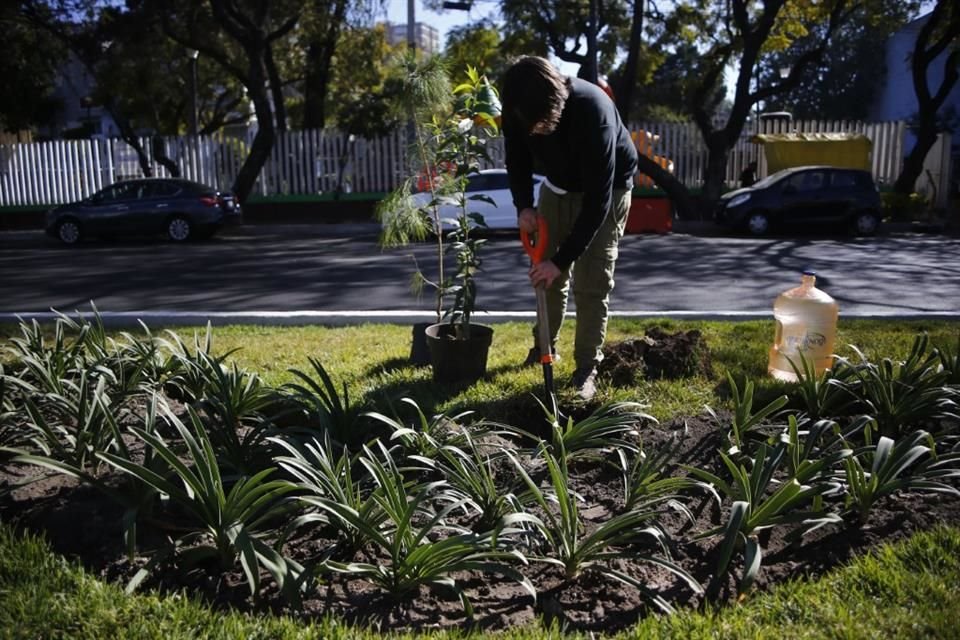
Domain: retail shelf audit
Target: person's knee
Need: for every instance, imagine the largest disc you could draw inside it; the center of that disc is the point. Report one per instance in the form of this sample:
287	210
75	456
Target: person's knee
594	282
593	292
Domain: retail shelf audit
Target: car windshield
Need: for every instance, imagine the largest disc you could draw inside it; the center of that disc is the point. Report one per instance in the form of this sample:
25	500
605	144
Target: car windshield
770	179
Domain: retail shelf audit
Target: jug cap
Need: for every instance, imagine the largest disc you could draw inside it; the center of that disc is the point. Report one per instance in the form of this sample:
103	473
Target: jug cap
809	272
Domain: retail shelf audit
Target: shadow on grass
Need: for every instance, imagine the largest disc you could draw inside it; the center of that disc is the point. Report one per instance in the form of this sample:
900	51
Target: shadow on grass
520	408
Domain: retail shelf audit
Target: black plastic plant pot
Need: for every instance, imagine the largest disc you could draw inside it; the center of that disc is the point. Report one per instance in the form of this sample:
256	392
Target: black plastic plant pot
457	360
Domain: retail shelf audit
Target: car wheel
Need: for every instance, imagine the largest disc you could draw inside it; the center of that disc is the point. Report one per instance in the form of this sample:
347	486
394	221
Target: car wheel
179	229
866	223
758	223
69	232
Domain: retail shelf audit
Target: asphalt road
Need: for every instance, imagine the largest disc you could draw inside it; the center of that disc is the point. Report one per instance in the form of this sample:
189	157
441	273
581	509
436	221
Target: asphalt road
321	273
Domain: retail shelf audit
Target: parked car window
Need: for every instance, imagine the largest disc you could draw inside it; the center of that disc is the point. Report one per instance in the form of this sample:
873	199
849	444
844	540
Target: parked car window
160	190
864	180
807	181
842	180
118	192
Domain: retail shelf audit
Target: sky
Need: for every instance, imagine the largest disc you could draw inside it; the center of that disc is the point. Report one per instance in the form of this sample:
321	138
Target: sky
444	21
397	14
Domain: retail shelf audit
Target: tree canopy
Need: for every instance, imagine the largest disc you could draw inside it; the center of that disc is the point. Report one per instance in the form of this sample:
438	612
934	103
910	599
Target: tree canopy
844	86
323	62
28	70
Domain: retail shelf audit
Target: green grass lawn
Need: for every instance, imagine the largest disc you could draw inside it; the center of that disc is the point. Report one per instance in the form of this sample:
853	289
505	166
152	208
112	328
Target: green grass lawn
372	360
905	590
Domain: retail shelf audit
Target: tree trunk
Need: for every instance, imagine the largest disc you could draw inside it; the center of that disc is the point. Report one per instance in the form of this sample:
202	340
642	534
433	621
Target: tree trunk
130	137
315	88
276	91
929	45
263	141
913	163
716	174
623	92
319	56
668	182
160	155
589	70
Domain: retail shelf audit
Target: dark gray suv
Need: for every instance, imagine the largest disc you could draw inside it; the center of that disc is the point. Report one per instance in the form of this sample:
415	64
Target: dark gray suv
810	196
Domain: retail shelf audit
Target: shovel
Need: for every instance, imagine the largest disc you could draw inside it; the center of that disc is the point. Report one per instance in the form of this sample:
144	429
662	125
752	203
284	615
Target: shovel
536	247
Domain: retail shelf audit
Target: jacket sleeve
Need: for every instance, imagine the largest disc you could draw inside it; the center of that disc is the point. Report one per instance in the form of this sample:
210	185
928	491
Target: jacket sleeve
519	163
595	144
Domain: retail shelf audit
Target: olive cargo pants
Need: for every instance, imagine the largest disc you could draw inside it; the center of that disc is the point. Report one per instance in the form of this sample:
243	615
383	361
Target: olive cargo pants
592	271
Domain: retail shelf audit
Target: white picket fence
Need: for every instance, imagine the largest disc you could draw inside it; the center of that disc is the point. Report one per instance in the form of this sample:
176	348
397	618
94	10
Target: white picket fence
307	162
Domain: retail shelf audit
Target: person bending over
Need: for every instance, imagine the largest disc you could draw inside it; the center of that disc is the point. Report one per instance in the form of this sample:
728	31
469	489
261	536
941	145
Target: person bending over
569	130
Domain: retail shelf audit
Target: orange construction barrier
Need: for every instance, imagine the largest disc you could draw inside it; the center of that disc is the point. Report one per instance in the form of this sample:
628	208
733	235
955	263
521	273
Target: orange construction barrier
644	140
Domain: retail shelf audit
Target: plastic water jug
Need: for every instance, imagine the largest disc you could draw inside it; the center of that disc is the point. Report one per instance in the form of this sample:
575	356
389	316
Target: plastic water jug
806	324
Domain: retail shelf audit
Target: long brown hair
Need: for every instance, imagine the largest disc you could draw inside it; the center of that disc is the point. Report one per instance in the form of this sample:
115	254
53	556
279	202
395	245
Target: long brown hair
534	93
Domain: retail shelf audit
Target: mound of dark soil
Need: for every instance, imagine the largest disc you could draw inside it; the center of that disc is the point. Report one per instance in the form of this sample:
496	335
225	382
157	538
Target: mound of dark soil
656	355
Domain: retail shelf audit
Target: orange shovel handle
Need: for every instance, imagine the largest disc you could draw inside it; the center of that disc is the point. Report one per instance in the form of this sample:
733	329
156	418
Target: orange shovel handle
536	244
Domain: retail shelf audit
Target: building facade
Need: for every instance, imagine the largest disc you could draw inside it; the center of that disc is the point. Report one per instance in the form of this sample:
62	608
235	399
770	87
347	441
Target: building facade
897	100
426	37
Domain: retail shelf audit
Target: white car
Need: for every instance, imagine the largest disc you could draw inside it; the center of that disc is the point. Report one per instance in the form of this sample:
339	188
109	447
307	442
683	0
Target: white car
492	183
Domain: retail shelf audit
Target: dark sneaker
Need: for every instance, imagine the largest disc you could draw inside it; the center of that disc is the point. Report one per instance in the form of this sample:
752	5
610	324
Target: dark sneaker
533	357
584	381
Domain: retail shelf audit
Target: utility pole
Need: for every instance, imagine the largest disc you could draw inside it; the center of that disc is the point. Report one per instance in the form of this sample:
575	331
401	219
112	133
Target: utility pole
411	31
194	118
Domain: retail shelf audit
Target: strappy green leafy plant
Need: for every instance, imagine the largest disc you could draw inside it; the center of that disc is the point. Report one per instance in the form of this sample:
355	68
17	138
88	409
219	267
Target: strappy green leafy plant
744	420
470	472
806	442
761	501
137	498
826	395
426	435
233	404
321	476
13	433
224	523
889	466
72	427
635	534
903	395
135	365
950	362
647	478
191	370
610	426
420	547
43	364
328	407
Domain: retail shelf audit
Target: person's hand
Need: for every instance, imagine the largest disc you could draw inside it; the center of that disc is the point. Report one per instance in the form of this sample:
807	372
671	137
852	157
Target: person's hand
527	220
543	274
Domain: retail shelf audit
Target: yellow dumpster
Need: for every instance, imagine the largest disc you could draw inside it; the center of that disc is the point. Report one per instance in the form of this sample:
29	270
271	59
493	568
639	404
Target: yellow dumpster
785	150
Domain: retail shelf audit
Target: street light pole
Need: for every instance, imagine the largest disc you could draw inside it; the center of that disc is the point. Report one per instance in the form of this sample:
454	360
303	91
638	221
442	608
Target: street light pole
784	75
194	119
411	31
